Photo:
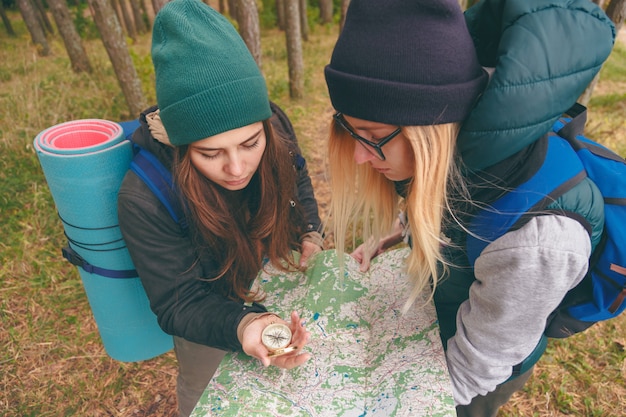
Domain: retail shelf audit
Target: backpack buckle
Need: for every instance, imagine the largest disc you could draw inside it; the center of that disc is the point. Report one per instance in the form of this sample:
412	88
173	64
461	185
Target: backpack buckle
73	257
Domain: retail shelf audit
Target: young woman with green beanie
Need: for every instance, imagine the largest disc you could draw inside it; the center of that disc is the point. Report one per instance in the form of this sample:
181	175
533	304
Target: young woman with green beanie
247	196
422	127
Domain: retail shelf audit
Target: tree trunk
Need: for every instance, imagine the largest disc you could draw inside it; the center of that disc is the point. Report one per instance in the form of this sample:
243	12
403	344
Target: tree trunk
293	35
616	11
71	38
344	10
34	27
304	19
280	14
6	21
326	11
115	4
140	25
146	7
41	14
250	28
115	45
221	6
128	20
157	5
233	6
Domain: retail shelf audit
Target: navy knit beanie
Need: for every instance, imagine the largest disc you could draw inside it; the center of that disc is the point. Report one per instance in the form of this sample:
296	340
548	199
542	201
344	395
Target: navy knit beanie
207	82
405	62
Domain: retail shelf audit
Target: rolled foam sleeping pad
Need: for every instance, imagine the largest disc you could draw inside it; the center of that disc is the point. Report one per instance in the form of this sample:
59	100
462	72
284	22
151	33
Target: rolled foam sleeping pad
84	162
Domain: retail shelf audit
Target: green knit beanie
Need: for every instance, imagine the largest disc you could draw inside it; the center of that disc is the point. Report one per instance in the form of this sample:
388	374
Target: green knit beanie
206	79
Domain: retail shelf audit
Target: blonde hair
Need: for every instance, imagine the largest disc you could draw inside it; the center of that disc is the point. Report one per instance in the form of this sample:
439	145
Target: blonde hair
362	197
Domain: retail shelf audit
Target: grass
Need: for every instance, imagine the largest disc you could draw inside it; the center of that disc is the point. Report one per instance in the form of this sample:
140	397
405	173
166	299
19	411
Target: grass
51	357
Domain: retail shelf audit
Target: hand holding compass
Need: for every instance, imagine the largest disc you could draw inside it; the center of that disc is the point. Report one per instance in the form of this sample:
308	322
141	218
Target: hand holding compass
276	337
276	342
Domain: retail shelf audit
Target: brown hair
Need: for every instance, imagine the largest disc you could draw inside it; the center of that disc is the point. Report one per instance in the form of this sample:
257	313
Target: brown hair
239	228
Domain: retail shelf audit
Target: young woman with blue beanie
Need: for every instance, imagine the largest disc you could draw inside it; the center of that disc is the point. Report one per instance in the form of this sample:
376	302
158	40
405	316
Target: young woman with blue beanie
423	128
245	189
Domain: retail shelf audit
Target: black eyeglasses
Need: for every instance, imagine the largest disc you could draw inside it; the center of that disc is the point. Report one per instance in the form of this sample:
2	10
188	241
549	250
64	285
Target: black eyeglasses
375	148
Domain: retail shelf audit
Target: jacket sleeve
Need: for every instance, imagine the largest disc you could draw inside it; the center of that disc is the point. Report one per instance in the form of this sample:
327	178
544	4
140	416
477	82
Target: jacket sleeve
305	193
520	279
171	274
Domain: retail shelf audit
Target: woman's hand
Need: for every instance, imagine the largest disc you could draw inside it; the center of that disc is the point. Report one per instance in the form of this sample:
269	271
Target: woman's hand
308	249
253	346
365	253
369	250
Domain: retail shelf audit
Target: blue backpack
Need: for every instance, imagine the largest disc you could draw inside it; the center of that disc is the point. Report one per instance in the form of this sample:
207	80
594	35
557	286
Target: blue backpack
159	179
570	158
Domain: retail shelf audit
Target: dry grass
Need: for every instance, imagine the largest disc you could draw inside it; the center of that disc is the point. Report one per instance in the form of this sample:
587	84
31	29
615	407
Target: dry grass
52	361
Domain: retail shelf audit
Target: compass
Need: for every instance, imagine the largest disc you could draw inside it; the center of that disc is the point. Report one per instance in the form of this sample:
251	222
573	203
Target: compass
276	337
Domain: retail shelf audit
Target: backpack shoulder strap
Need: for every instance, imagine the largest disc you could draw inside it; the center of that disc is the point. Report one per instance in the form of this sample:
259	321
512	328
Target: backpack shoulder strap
159	179
559	172
129	127
570	128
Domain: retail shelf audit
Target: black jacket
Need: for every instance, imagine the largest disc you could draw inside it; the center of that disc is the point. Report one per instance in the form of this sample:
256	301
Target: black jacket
167	260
